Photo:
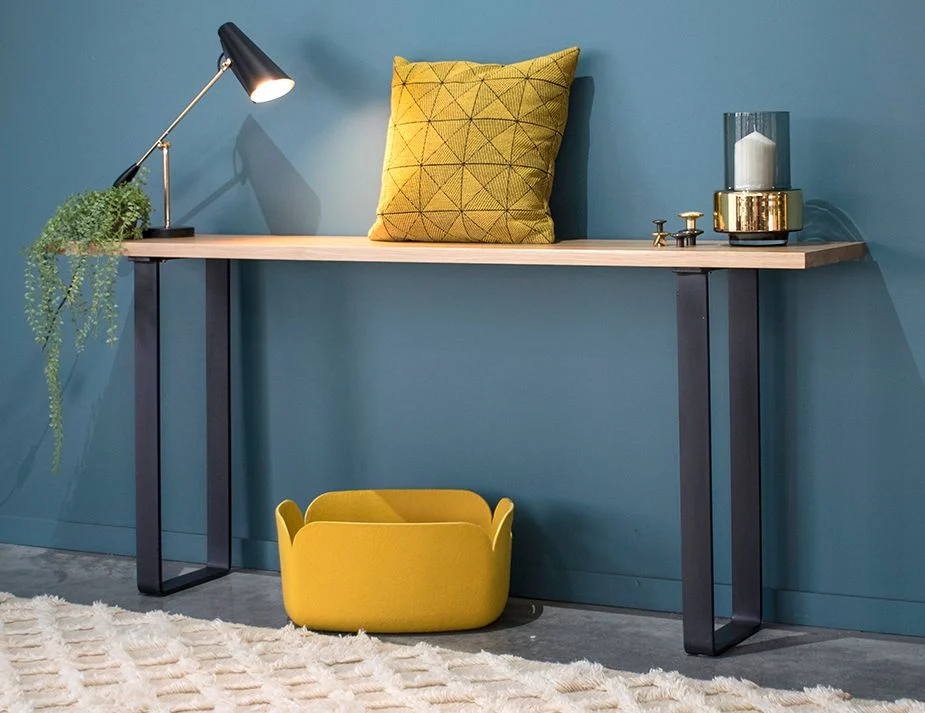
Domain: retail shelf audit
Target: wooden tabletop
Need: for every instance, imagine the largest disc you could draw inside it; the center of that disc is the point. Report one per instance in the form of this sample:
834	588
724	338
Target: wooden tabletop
609	253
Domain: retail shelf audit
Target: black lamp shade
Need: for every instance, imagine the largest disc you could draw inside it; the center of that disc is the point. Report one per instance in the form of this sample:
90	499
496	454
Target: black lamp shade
260	76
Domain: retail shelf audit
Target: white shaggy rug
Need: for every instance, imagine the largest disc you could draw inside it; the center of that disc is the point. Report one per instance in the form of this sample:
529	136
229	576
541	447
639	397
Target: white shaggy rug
56	656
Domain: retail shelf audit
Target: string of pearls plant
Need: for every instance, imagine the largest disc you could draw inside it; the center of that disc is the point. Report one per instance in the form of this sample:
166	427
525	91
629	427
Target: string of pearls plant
71	271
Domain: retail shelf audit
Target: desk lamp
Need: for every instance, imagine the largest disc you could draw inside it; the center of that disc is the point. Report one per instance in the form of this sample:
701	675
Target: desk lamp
261	78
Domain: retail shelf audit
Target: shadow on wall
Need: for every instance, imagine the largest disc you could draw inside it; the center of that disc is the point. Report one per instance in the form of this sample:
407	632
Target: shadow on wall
844	407
288	204
105	466
834	152
825	222
556	540
33	392
26	388
822	222
289	207
297	382
569	200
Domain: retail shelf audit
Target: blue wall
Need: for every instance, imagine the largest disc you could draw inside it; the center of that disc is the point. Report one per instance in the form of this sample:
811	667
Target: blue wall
555	386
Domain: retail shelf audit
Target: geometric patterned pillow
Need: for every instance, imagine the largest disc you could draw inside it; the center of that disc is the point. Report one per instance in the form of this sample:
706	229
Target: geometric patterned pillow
471	150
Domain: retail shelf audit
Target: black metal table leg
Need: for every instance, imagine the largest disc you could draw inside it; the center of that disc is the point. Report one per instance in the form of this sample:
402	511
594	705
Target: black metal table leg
695	460
218	412
745	450
148	526
700	634
147	427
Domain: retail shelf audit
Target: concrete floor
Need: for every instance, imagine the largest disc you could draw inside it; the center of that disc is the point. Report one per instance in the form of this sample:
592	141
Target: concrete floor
865	665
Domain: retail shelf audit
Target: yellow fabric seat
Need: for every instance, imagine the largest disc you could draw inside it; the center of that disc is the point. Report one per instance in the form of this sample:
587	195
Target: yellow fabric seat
395	560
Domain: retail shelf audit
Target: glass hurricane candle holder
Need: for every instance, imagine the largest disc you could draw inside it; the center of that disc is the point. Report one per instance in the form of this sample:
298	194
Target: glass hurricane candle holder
758	206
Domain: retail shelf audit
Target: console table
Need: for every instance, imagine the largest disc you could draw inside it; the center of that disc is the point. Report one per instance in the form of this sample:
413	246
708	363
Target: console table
692	266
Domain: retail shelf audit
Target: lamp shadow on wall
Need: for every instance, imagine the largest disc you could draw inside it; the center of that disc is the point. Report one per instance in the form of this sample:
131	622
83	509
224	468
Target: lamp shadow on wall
288	204
569	200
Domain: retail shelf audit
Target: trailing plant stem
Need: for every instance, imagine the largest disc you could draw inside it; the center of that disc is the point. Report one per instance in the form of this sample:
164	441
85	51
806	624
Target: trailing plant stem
85	234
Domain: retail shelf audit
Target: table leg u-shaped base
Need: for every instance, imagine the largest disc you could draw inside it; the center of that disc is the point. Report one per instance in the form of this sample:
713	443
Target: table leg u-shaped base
148	526
700	634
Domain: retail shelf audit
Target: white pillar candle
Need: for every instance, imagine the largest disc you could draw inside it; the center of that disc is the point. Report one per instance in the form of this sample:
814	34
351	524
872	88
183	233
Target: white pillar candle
755	161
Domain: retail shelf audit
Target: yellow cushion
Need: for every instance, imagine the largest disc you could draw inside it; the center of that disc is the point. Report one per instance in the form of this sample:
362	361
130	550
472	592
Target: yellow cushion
471	150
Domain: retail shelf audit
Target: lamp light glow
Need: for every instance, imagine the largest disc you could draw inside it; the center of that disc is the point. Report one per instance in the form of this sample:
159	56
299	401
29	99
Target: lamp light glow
271	89
251	66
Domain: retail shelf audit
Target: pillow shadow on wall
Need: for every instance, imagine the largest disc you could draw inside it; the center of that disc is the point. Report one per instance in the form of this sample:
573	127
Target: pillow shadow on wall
569	200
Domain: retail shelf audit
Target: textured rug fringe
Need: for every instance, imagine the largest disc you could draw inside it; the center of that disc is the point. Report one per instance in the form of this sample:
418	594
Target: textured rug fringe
57	657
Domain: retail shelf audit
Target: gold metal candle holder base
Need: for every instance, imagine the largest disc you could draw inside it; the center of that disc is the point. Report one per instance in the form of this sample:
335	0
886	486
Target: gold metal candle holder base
758	218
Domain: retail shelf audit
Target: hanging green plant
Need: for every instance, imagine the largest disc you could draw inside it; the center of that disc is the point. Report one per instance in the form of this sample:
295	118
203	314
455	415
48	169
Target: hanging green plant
71	269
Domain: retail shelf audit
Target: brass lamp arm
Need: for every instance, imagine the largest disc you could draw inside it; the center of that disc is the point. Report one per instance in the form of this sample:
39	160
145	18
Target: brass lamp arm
130	172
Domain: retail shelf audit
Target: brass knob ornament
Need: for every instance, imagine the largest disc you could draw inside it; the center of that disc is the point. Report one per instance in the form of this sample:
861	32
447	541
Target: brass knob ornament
691	217
687	238
658	237
683	238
